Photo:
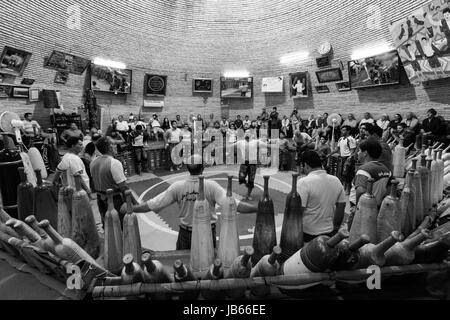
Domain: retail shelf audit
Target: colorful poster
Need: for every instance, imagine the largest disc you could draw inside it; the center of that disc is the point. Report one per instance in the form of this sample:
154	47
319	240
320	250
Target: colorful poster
423	41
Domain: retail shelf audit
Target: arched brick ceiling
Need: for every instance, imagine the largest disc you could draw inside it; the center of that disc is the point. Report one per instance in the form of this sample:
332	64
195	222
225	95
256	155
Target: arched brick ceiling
207	35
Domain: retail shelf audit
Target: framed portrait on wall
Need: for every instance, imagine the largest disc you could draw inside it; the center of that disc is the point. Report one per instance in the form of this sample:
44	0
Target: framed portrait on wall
21	92
5	91
202	86
322	89
27	82
14	61
329	75
236	88
61	77
343	86
34	95
107	79
299	85
66	62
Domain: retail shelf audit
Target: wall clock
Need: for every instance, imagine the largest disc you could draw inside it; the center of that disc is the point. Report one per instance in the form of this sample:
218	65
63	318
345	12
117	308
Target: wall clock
325	48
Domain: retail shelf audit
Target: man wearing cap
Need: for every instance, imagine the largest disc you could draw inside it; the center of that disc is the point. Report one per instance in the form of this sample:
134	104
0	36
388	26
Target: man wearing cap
185	194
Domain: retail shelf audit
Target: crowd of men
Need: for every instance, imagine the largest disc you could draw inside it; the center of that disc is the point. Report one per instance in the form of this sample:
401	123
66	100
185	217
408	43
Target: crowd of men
360	150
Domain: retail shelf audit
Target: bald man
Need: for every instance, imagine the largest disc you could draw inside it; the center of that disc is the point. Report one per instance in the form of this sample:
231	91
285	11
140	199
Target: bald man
185	194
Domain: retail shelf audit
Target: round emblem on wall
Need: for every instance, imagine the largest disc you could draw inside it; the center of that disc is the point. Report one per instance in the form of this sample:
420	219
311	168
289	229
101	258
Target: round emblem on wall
156	83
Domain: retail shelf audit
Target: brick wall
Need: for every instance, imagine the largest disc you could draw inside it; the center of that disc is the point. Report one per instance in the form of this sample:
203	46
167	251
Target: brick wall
185	39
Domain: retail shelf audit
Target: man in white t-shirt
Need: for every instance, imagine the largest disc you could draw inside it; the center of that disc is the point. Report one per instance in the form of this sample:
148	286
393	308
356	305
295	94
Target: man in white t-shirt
71	165
173	138
346	148
156	126
246	123
323	199
108	174
31	127
185	194
122	125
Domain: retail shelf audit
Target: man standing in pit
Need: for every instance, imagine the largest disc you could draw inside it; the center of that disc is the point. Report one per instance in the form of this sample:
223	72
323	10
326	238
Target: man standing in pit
185	194
107	173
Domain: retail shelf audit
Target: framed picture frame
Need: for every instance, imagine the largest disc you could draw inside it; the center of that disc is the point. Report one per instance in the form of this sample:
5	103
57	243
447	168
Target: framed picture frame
21	92
236	88
66	62
14	61
343	86
113	80
5	91
299	85
329	75
155	85
322	89
201	85
61	77
34	95
273	85
27	82
323	62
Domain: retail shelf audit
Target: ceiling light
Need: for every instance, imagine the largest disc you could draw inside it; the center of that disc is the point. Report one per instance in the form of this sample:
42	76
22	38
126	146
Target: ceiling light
294	57
109	63
236	74
371	51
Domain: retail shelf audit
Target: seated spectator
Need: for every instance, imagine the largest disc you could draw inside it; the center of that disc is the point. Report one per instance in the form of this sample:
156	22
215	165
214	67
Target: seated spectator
73	131
122	127
403	132
367	119
155	126
180	123
238	123
166	124
31	127
383	123
246	123
433	127
376	133
412	122
352	123
394	123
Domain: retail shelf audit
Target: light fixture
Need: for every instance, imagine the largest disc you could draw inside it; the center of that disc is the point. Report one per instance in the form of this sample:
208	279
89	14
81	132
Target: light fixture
236	74
294	57
109	63
371	51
